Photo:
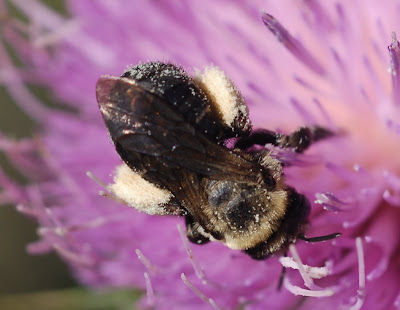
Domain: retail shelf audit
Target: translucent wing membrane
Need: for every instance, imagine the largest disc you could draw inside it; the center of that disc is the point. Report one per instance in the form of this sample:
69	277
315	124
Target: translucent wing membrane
143	127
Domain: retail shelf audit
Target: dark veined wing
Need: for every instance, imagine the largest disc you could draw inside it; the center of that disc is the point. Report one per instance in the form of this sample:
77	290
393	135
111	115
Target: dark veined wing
151	134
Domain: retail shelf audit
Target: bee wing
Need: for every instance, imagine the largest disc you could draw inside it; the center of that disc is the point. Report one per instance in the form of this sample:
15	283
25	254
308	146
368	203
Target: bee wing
150	134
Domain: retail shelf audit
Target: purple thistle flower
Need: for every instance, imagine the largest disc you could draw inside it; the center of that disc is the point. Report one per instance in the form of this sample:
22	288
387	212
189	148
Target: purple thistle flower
329	66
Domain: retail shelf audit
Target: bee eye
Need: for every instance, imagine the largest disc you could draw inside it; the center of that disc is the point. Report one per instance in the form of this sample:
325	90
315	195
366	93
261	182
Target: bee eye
220	193
268	179
218	199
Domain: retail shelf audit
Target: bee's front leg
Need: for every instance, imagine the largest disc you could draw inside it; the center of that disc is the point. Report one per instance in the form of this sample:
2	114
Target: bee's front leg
192	231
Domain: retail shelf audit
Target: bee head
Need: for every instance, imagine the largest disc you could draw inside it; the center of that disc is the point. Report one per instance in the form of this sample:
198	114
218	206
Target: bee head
291	226
247	215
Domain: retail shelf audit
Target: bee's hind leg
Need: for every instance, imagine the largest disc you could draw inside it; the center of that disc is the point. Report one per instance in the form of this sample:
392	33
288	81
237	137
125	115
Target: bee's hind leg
299	140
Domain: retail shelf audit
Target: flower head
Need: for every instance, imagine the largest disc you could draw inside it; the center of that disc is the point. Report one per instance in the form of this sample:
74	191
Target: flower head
329	66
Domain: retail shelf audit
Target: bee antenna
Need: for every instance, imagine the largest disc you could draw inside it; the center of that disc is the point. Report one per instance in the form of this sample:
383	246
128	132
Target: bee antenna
282	276
319	238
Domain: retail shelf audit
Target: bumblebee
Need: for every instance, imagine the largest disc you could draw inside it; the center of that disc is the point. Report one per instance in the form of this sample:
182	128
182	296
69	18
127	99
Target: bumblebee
171	131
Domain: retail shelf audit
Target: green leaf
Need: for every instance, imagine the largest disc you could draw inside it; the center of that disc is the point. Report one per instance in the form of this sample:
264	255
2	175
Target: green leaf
72	299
